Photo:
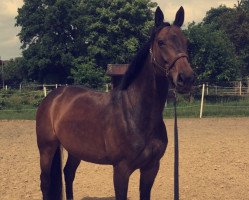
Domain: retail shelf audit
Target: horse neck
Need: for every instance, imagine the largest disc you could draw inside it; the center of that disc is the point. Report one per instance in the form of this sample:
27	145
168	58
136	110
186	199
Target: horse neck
148	93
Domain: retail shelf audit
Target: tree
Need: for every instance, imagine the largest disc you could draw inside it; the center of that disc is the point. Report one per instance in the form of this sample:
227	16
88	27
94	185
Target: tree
88	74
46	37
214	15
212	54
59	35
112	32
14	71
235	23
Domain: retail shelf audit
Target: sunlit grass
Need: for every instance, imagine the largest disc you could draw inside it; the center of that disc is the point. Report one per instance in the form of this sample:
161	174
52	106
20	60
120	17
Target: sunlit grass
222	108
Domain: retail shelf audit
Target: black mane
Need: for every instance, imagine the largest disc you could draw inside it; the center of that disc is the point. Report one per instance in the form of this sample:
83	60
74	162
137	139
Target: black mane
136	66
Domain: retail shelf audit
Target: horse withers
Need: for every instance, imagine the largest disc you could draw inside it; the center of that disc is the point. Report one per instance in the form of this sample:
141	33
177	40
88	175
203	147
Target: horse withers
124	127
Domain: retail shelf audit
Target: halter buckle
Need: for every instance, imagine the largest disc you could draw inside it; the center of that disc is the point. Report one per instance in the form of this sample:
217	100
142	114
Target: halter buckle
167	71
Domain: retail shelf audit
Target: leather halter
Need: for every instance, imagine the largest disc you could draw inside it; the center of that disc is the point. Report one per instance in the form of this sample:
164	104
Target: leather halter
170	65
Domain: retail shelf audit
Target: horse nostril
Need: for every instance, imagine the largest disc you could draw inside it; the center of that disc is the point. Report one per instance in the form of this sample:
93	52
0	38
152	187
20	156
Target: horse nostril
180	79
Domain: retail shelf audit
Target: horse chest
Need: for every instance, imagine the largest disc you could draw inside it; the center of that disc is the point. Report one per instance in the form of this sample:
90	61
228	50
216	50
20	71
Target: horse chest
152	152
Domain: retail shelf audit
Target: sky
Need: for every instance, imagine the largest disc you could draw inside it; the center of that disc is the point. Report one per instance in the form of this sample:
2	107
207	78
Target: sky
195	10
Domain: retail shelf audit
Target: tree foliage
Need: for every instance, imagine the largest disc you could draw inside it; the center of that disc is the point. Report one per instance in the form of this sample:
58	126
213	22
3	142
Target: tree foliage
74	40
212	54
46	36
88	74
235	23
219	46
14	71
59	35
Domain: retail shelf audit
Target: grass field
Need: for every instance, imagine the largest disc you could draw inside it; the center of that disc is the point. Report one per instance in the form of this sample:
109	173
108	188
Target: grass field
229	108
19	105
15	114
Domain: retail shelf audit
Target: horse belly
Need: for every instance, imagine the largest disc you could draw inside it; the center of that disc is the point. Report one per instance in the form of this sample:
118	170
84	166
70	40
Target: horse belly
84	143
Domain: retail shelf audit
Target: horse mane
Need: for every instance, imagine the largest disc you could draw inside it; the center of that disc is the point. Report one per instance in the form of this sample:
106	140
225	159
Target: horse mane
137	64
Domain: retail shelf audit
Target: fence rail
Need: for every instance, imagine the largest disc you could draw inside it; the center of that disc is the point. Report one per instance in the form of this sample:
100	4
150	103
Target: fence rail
231	88
26	98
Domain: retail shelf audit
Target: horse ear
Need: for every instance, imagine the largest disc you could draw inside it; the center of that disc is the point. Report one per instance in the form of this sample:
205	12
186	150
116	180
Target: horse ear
179	19
159	17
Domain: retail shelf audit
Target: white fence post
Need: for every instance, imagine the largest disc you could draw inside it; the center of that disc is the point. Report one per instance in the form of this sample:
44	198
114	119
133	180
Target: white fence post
240	88
106	87
202	100
6	87
44	91
207	88
56	86
247	85
20	87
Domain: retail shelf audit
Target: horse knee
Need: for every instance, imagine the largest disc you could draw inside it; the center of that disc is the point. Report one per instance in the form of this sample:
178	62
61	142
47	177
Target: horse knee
70	169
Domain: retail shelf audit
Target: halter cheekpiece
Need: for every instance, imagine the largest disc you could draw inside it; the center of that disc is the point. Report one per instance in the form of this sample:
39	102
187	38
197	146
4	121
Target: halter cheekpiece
170	65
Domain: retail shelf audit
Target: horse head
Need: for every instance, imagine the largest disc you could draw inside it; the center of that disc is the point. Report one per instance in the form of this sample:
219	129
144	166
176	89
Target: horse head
169	51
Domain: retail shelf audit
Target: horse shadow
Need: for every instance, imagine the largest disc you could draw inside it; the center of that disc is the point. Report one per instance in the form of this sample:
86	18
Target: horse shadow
99	198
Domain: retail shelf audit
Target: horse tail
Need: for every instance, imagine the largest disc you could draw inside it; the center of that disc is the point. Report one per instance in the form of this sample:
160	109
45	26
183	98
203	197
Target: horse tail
55	189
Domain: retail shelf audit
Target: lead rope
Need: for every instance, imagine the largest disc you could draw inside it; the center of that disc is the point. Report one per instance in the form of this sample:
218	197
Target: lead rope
176	161
176	149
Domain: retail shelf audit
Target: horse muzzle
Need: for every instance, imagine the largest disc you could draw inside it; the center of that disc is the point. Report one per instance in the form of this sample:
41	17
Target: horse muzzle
184	82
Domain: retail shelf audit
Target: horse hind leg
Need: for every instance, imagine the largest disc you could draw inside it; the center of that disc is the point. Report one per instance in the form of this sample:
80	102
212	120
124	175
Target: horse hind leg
69	173
51	177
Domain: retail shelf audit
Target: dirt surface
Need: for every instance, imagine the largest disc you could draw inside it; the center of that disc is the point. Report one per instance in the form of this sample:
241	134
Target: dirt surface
214	164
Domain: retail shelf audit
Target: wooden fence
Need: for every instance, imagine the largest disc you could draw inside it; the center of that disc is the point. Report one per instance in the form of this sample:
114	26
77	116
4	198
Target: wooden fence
233	89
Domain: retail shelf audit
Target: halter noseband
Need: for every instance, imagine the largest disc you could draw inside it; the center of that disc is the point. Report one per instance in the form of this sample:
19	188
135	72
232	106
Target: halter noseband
170	65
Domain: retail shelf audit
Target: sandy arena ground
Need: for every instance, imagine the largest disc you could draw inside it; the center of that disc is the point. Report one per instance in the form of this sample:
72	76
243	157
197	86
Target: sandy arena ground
214	164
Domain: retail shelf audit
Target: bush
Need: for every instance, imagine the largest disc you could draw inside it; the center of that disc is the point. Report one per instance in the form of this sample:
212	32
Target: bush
17	100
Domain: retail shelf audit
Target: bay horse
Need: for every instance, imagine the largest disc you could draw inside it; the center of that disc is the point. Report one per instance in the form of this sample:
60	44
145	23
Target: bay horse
123	127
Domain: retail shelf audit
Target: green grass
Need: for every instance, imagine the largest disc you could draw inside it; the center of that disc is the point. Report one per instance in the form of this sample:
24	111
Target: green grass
19	105
219	107
14	115
182	111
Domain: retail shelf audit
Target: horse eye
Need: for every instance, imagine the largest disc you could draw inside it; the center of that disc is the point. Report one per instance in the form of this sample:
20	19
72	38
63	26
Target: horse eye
160	43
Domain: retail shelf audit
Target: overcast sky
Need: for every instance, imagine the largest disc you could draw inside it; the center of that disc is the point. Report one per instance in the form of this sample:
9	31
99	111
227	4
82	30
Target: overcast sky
195	10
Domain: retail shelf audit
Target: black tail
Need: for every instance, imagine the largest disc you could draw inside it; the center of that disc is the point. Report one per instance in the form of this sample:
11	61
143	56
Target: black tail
55	190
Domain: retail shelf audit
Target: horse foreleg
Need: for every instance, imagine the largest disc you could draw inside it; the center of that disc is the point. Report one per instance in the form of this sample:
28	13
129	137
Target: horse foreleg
121	177
69	172
147	178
